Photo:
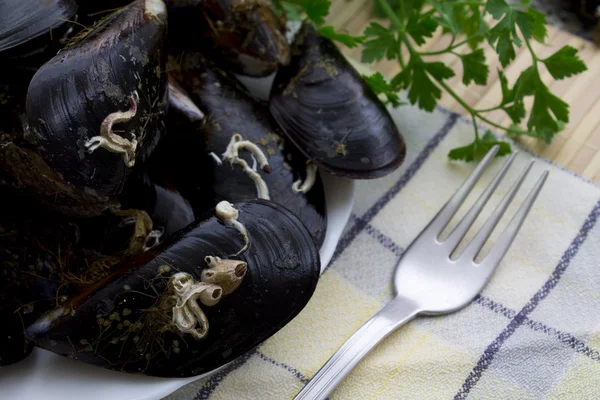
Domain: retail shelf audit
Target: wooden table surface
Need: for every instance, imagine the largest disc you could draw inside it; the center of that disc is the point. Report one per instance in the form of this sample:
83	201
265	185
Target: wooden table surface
576	148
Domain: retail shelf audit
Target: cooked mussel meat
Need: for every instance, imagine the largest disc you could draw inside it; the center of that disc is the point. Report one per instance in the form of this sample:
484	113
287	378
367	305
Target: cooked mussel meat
192	304
245	36
325	108
214	159
96	109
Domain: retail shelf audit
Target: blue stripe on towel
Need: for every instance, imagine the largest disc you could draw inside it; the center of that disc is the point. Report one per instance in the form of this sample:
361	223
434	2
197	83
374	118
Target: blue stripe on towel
488	355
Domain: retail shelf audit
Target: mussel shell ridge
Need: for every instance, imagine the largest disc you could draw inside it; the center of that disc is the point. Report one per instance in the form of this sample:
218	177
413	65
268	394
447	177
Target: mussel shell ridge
22	21
115	324
120	62
325	108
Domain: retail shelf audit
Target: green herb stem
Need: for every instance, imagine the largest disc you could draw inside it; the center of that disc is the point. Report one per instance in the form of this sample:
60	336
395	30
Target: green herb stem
533	55
387	9
402	11
492	123
450	47
400	58
455	96
469	3
485	110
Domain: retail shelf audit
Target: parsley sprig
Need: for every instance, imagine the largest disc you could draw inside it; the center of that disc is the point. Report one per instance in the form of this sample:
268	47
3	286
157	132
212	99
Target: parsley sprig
411	22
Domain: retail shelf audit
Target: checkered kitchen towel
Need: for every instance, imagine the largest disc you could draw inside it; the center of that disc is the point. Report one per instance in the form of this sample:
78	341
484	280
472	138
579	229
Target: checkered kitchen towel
533	333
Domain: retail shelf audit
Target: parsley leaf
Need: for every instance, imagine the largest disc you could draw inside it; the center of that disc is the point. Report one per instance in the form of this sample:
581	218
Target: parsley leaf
474	67
422	89
293	12
497	8
532	23
384	43
438	70
479	148
548	112
503	36
526	82
508	95
315	10
516	111
420	28
379	85
471	23
564	63
447	18
403	79
539	25
349	40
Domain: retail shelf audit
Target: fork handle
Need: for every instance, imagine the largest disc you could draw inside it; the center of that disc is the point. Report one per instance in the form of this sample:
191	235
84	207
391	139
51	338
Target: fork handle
394	314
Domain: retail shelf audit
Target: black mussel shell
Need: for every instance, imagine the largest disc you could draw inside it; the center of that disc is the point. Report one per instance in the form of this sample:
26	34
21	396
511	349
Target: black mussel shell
13	345
121	323
30	27
326	109
168	209
33	256
106	91
244	36
21	167
45	257
188	156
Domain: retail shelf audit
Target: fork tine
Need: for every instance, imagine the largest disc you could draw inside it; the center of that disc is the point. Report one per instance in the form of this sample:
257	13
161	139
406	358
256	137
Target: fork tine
463	226
486	230
510	232
445	214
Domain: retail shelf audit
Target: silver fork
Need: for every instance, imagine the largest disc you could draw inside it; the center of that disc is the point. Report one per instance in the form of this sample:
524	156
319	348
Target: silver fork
426	280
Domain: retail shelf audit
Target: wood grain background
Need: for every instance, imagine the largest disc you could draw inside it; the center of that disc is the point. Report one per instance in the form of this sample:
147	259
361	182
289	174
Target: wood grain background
576	148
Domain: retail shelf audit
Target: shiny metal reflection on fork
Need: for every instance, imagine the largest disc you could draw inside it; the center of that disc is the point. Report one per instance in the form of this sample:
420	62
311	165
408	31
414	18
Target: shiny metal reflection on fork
427	280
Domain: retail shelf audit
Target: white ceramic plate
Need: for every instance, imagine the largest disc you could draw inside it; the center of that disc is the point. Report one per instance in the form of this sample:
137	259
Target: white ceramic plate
45	375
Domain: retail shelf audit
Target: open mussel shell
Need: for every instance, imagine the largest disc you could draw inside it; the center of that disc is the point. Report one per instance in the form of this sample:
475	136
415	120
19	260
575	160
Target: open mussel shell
243	36
28	27
190	155
121	323
96	109
326	109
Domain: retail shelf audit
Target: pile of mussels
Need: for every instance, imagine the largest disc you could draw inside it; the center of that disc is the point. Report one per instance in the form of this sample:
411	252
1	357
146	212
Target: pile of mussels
156	218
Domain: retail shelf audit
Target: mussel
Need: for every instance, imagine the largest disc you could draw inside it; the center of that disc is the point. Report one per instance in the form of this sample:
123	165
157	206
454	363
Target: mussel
168	209
257	162
95	110
46	257
325	108
30	27
212	292
244	36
